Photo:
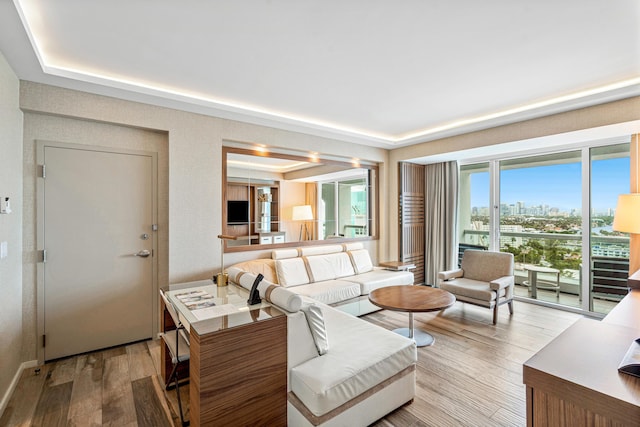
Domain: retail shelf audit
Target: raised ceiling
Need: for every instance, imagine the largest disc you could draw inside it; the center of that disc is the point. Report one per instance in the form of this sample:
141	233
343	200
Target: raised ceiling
383	73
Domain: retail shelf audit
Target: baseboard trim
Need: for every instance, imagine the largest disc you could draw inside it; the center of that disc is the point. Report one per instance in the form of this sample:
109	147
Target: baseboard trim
14	383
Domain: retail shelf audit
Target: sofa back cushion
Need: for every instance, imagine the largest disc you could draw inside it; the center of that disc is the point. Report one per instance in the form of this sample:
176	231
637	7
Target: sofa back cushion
485	265
315	250
301	346
361	261
285	253
329	267
320	250
292	272
353	246
264	266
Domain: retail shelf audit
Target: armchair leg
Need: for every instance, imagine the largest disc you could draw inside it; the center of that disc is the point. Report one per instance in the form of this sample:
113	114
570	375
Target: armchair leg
510	307
495	314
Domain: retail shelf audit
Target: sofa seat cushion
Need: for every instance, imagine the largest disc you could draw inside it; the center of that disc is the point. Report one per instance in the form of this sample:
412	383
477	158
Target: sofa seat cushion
329	291
361	356
470	288
379	278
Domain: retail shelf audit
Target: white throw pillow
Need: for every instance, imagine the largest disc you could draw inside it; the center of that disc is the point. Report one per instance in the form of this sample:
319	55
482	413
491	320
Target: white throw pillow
315	319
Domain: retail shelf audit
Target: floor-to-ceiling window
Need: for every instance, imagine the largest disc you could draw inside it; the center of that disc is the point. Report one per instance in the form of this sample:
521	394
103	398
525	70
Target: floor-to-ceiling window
553	211
474	207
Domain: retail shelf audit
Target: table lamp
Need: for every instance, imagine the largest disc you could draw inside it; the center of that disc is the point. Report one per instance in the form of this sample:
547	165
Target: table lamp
627	220
302	213
627	216
222	278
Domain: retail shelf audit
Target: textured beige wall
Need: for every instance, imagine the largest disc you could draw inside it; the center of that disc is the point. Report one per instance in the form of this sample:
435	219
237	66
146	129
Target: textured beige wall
624	111
194	158
10	227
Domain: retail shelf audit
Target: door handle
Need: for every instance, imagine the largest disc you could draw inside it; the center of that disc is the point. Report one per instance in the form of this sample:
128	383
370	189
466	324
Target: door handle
143	253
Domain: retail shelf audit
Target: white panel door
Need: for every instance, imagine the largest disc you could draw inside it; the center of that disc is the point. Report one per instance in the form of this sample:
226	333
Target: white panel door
98	213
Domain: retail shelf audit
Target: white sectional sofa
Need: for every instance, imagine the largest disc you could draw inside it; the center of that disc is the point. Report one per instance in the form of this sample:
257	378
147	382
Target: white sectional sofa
339	275
342	370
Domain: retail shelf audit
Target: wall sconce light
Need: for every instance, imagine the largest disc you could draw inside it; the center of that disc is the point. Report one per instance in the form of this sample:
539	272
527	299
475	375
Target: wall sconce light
302	213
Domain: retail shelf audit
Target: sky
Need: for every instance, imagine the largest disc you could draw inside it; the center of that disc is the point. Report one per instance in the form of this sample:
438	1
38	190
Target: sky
557	185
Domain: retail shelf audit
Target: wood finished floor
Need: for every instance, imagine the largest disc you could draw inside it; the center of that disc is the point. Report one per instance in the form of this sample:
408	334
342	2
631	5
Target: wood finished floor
472	376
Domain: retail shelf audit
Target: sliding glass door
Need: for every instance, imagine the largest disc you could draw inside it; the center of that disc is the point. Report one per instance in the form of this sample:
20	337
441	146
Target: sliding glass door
553	212
541	222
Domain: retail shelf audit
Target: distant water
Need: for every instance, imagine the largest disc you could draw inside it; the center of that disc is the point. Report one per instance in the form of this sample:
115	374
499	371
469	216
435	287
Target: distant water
596	230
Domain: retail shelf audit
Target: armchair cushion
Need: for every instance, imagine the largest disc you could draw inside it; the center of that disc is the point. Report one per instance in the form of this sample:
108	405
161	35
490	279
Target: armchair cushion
451	274
470	288
486	266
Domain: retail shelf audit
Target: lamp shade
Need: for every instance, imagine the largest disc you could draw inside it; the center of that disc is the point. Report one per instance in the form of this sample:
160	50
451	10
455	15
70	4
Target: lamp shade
302	213
627	216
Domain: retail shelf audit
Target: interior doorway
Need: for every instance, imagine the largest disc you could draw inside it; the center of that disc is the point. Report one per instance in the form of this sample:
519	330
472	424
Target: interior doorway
97	216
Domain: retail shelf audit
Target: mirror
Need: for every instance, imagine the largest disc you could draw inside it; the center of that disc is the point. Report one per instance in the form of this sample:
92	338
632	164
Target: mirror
283	199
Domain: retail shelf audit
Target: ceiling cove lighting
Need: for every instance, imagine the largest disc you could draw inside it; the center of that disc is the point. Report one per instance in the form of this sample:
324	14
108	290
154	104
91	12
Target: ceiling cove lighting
35	30
277	168
527	107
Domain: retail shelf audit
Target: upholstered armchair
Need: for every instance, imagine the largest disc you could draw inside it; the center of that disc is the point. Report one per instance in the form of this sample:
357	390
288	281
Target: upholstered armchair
485	278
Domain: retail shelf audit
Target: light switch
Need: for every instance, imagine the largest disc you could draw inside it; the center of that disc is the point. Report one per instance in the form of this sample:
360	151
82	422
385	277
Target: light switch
5	207
3	250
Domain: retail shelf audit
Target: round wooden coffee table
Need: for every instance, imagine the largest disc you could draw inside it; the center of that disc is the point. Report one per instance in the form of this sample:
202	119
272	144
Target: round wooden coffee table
412	298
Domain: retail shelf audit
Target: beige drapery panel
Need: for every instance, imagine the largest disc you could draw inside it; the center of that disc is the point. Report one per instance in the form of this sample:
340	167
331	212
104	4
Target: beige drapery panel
311	198
441	219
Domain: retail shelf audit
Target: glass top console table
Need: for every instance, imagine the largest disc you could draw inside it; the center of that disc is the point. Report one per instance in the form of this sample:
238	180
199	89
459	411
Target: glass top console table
238	354
210	308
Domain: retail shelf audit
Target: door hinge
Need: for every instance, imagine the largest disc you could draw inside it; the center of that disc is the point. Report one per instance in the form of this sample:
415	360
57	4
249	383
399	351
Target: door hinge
44	340
42	171
42	255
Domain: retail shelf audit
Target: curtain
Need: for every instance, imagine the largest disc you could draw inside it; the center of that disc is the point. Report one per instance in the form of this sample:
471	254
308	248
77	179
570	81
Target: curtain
441	219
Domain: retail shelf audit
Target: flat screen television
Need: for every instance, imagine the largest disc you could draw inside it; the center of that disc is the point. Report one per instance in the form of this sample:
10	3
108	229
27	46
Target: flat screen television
237	211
